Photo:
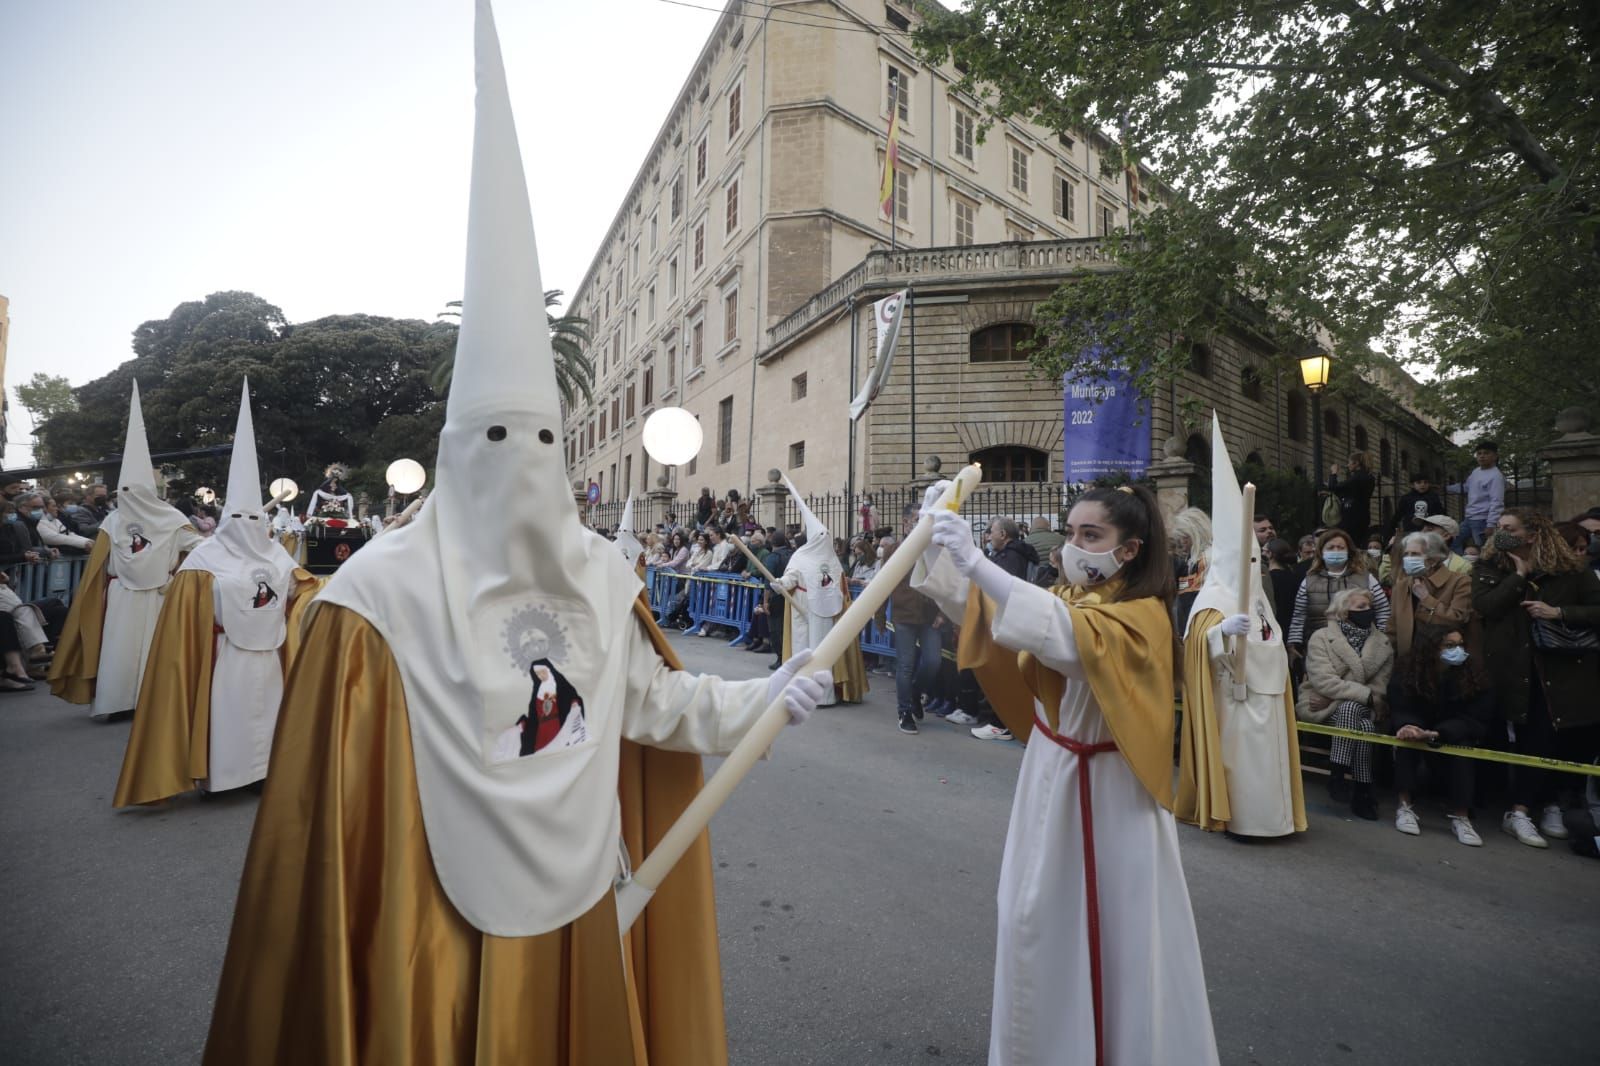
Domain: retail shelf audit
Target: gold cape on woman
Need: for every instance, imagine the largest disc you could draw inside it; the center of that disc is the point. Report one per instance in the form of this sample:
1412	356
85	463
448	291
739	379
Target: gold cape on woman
345	948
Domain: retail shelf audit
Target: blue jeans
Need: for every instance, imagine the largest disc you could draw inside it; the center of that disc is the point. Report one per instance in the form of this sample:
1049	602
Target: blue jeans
914	669
1472	531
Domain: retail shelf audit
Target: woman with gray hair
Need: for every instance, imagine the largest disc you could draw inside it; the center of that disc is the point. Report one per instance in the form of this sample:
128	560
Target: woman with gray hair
1429	598
1190	543
1348	663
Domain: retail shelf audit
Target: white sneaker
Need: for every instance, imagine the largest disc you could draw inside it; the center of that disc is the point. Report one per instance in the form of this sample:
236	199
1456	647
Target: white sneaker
1405	820
991	732
1465	834
960	717
1551	825
1520	826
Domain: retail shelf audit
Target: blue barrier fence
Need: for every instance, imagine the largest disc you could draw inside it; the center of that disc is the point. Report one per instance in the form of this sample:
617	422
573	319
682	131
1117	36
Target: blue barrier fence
39	581
730	600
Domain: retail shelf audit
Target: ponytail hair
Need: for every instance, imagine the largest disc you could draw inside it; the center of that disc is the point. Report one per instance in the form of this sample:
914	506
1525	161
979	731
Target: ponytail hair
1133	510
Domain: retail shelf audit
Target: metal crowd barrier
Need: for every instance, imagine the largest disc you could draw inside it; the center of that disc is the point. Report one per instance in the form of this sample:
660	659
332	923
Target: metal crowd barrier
730	600
40	581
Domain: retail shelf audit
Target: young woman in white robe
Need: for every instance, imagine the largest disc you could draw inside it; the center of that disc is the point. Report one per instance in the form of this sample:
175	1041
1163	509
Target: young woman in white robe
1097	960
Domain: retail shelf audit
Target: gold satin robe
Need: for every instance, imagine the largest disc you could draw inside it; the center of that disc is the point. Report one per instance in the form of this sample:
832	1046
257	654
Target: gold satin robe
169	745
345	948
77	659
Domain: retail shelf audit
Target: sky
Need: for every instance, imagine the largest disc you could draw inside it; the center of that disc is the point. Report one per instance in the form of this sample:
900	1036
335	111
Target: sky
313	152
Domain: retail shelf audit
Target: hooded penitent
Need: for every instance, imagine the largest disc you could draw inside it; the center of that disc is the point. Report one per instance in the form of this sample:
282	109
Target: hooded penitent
468	601
252	574
821	573
627	541
143	549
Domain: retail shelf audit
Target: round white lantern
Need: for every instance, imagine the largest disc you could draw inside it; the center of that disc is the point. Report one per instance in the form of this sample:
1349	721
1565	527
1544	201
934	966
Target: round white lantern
283	490
672	436
405	476
205	495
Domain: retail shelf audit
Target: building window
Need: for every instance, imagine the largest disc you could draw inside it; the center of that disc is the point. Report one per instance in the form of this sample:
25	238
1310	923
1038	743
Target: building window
613	482
895	19
1200	358
730	317
1065	198
1385	457
1296	410
797	387
700	164
672	278
1405	461
1065	141
797	454
627	476
735	111
964	221
602	425
699	245
697	343
902	194
633	326
650	305
1361	438
647	386
693	464
616	409
1019	168
731	222
616	348
999	344
897	94
675	202
1015	232
1330	423
1250	384
1108	219
629	404
653	218
725	430
1013	463
672	365
591	435
964	133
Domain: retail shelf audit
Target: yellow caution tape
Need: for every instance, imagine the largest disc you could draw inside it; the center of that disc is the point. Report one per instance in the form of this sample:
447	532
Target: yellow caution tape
1509	757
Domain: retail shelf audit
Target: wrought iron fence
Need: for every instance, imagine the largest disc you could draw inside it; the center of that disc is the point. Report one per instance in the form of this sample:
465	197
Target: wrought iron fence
1527	485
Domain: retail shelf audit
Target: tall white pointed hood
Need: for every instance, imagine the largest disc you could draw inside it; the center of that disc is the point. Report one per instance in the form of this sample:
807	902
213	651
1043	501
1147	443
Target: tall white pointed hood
474	603
821	573
144	527
627	539
252	575
1225	568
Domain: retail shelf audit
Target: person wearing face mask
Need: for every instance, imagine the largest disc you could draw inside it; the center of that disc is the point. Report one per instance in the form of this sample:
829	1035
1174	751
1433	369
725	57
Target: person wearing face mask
30	509
1096	957
15	544
1428	597
1348	665
53	531
1540	606
1335	569
1441	695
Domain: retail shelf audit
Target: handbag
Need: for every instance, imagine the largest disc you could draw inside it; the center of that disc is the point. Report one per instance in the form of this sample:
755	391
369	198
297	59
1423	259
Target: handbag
1563	638
1331	513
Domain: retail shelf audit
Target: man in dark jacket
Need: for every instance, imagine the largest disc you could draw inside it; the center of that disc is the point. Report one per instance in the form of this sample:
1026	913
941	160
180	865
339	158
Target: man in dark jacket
1008	550
776	561
1415	505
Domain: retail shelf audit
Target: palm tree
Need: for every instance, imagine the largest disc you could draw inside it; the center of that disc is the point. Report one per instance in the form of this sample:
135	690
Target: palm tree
568	335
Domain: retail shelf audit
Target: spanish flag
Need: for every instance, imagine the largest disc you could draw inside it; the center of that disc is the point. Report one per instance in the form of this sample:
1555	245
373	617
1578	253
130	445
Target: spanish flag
891	159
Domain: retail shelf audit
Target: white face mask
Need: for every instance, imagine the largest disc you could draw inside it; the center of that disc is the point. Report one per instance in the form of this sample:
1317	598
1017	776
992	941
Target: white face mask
1082	568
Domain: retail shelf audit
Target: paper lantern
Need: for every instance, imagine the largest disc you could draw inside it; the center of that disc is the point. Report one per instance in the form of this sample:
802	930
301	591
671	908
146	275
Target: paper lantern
672	436
283	490
405	476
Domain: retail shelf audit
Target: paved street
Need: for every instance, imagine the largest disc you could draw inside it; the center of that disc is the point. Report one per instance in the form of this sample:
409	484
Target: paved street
855	886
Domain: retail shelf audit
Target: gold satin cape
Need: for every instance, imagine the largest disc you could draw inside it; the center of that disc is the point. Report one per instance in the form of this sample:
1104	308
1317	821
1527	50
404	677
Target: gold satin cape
1126	651
345	948
77	659
169	745
1202	778
850	672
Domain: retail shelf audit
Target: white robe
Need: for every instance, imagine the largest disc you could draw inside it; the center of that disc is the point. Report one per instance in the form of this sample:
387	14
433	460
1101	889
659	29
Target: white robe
1155	1009
1255	736
806	629
130	627
246	688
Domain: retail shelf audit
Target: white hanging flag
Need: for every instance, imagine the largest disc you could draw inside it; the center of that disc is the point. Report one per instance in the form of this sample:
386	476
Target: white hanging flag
887	313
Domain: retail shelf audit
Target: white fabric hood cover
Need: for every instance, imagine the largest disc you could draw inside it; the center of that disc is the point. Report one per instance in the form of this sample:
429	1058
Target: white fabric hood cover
144	528
484	609
821	572
1266	668
627	542
252	574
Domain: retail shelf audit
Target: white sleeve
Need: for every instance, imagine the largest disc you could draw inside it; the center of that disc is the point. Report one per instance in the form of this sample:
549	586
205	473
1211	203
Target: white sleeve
680	711
943	584
1036	620
1217	643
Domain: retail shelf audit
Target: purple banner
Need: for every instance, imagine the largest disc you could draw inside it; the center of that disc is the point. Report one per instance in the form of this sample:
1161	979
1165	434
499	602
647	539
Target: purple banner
1105	427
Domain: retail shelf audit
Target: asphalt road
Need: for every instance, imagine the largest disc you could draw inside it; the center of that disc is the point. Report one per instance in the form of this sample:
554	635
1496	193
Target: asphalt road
856	875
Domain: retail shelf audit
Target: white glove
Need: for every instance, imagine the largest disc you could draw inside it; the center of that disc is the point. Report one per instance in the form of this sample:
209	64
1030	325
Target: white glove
953	534
801	693
1236	625
930	499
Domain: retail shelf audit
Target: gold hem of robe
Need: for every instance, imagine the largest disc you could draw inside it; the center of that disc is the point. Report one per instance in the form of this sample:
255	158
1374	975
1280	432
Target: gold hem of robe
77	659
345	948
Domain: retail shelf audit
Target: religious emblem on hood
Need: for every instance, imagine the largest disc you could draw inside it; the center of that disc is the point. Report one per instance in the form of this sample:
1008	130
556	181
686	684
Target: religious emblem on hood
265	596
554	720
827	576
136	541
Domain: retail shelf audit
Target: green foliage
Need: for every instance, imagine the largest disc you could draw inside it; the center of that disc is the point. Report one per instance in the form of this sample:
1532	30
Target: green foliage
568	336
1288	498
347	388
1417	177
45	396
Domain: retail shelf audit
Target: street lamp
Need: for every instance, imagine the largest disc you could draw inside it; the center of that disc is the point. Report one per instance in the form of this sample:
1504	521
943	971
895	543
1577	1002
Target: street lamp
1314	369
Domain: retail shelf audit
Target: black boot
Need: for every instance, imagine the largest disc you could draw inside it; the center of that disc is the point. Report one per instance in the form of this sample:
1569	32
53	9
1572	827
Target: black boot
1362	805
1338	787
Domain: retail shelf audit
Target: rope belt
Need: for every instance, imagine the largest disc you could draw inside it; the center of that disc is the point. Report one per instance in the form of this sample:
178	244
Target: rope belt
1085	754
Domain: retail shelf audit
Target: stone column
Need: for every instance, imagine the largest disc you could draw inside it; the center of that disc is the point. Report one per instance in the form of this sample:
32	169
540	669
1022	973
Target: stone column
580	496
663	501
1171	476
772	499
1574	460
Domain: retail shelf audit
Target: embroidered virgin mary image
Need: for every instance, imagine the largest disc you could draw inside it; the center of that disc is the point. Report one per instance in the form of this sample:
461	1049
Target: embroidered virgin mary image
554	718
